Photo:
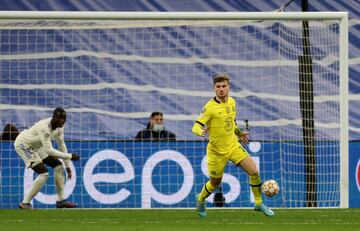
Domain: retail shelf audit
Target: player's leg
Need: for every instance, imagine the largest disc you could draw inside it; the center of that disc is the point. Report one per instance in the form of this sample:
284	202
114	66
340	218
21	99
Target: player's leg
40	180
59	176
216	165
242	159
249	166
208	188
32	160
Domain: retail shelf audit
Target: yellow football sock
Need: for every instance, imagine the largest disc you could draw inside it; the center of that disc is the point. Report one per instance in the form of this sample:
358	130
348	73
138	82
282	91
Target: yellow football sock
255	183
206	191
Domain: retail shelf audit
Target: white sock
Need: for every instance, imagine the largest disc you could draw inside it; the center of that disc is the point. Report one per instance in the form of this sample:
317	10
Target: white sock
36	186
59	182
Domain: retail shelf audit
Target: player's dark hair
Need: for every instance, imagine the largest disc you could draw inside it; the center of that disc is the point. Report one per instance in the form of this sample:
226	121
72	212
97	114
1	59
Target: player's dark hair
58	111
221	77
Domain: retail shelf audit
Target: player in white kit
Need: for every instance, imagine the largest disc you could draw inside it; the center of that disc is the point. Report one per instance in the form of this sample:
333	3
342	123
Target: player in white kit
35	149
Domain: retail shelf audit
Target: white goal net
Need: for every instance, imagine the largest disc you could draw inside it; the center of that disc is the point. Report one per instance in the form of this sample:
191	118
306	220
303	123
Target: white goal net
110	75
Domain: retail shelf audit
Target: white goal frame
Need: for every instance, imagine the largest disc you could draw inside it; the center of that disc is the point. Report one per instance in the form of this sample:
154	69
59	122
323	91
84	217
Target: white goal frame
342	17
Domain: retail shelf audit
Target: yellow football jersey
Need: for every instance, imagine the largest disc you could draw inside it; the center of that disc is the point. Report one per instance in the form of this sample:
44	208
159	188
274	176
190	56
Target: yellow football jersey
219	118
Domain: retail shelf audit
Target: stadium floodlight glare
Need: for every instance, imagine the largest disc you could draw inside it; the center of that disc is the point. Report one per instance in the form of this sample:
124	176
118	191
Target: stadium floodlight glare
110	70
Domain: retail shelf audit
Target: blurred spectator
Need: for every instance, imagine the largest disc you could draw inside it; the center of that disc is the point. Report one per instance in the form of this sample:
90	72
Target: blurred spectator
155	130
10	132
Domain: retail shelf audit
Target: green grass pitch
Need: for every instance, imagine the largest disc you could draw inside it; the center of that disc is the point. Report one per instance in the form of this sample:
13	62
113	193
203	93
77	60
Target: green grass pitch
180	219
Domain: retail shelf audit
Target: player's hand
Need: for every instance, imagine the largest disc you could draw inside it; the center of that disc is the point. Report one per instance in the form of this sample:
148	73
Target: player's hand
75	156
204	131
69	173
244	137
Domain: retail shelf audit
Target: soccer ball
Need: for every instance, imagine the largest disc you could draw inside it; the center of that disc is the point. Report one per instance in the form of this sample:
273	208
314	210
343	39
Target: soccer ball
270	188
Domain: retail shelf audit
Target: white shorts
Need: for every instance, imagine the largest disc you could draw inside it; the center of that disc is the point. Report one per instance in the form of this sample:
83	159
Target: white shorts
29	155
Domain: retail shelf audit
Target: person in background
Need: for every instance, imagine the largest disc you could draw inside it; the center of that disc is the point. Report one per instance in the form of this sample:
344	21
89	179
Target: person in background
10	132
155	130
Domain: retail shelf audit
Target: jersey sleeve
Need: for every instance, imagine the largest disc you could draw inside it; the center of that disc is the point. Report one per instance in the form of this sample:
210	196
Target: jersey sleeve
201	121
60	140
204	116
44	135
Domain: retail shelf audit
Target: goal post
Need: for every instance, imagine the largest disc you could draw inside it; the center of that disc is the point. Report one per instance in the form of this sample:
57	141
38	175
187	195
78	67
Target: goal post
110	70
344	113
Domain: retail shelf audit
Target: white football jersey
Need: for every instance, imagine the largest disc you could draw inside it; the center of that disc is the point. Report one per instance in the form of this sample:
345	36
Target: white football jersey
40	136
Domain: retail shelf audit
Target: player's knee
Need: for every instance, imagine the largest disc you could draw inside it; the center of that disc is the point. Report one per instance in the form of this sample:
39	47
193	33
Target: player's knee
52	161
254	173
215	185
39	168
215	182
59	169
45	175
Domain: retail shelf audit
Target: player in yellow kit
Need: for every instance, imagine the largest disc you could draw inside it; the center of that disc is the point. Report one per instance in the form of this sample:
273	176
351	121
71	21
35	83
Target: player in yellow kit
218	119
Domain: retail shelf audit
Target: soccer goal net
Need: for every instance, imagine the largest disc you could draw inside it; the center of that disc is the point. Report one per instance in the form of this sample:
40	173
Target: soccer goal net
110	71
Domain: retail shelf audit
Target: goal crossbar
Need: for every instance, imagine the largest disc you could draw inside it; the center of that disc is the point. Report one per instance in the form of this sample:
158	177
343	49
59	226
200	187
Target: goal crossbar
174	15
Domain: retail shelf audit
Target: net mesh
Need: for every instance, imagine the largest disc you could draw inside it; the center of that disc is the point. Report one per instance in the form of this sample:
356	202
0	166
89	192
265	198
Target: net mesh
110	75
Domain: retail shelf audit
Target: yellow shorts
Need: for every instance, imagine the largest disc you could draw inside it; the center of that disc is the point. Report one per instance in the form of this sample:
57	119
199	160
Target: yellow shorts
217	162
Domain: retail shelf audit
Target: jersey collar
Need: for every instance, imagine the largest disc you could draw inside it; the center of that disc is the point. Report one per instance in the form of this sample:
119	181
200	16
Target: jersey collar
216	100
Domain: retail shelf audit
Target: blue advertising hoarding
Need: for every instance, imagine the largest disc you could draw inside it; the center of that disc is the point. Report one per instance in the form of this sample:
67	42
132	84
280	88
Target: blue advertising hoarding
159	174
354	175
